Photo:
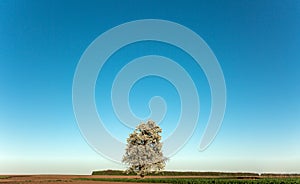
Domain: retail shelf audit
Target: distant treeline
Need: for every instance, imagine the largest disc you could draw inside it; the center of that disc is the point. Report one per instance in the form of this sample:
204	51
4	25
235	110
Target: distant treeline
191	173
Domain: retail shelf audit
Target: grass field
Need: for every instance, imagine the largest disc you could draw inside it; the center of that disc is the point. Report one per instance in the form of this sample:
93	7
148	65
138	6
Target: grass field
200	180
199	177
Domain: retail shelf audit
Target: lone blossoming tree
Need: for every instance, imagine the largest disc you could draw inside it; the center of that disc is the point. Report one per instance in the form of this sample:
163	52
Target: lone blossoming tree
143	152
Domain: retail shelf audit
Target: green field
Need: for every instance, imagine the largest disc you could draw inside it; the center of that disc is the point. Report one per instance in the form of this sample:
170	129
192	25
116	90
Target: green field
207	177
201	180
191	173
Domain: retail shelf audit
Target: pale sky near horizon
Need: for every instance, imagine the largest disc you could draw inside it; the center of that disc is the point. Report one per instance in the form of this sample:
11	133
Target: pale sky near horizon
257	45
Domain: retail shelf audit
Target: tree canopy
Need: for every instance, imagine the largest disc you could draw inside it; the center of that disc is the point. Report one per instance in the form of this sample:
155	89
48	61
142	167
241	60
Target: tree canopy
143	153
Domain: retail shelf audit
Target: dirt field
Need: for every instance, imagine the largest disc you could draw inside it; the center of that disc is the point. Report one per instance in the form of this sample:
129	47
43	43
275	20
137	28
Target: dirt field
56	179
64	179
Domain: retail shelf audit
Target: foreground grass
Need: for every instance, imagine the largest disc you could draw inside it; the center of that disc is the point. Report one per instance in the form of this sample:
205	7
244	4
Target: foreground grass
201	180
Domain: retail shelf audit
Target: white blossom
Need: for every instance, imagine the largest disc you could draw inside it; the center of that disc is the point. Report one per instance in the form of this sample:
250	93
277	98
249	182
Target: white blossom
143	153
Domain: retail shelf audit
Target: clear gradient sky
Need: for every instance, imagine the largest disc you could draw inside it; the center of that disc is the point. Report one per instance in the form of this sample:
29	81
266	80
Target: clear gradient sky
257	45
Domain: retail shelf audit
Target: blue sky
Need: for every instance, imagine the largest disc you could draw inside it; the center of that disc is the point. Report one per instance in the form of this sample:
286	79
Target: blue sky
257	45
